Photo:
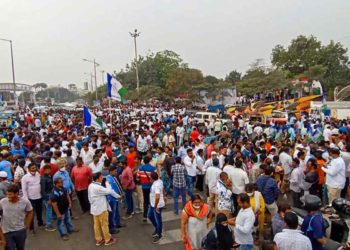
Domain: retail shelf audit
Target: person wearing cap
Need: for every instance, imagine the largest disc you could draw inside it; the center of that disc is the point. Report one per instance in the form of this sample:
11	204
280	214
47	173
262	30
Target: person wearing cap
17	149
6	166
4	144
314	225
209	161
4	184
335	175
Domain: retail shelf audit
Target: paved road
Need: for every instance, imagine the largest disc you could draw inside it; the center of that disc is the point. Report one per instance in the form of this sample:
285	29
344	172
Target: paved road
136	235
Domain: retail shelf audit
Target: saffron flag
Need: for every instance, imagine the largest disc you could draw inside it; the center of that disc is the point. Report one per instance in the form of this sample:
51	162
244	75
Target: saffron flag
115	89
91	120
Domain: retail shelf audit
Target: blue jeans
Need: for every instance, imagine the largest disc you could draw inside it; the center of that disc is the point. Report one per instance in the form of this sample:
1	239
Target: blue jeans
114	217
129	201
245	247
48	213
67	222
177	192
190	180
156	219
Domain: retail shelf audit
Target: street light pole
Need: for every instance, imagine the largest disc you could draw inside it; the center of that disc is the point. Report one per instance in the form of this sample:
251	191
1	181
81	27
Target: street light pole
91	85
103	77
95	79
135	35
13	68
95	65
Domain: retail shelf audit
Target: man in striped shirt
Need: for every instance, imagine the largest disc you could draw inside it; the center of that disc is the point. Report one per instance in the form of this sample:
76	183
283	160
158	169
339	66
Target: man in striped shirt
144	175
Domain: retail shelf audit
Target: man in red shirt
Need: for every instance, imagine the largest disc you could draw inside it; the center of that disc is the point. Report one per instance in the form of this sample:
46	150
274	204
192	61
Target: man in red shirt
128	184
81	177
194	134
130	157
47	161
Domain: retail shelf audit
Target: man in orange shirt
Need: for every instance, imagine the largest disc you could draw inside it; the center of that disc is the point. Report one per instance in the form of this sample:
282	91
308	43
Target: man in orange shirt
130	157
194	134
321	175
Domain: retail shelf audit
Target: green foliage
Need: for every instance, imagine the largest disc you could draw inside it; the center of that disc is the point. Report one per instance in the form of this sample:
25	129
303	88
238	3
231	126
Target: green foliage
148	92
233	77
101	93
164	75
260	80
211	79
307	56
182	80
153	69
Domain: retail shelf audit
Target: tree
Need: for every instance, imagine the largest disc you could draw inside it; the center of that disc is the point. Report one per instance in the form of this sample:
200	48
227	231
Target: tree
302	53
211	79
40	85
147	93
307	56
233	77
261	79
182	80
153	69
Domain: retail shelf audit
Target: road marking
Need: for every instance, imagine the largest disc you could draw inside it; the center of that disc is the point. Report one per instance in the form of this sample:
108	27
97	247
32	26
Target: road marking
171	236
170	216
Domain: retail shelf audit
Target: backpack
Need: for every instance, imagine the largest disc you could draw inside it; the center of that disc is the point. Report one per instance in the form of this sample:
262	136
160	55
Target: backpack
324	222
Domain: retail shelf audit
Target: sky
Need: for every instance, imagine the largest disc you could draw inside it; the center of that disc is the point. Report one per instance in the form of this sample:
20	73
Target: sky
51	37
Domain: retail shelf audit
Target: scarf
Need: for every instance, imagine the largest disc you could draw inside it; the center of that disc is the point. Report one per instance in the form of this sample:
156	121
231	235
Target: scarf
191	212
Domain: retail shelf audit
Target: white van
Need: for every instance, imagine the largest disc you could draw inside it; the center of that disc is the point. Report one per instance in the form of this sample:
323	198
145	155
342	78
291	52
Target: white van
201	117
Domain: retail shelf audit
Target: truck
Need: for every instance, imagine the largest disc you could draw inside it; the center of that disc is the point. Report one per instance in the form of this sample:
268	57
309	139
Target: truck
337	110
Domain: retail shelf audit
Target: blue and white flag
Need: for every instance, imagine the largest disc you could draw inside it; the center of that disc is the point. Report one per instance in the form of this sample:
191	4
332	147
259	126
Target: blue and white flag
115	89
91	120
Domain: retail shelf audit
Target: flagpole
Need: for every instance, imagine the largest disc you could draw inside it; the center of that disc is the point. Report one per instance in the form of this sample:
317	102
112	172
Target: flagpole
111	115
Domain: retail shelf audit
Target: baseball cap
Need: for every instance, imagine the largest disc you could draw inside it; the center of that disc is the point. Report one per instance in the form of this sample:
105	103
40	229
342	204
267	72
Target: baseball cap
3	174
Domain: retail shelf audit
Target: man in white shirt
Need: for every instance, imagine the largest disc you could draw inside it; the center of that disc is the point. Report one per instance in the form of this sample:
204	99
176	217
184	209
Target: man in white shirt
96	165
156	198
291	238
286	161
87	154
244	223
222	156
258	130
209	162
296	180
142	145
217	126
191	167
211	179
327	133
238	177
180	133
31	189
99	209
335	175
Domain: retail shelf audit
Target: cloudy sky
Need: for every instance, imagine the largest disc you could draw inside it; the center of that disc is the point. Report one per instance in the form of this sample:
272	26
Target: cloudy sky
51	37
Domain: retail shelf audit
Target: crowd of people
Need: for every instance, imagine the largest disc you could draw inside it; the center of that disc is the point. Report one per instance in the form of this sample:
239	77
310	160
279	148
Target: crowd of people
233	178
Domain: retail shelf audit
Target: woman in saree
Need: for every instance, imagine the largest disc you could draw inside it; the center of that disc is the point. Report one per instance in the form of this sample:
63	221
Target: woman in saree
195	219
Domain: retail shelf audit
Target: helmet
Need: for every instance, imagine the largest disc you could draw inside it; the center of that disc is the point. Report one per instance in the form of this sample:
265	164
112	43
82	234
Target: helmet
312	202
3	141
338	204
